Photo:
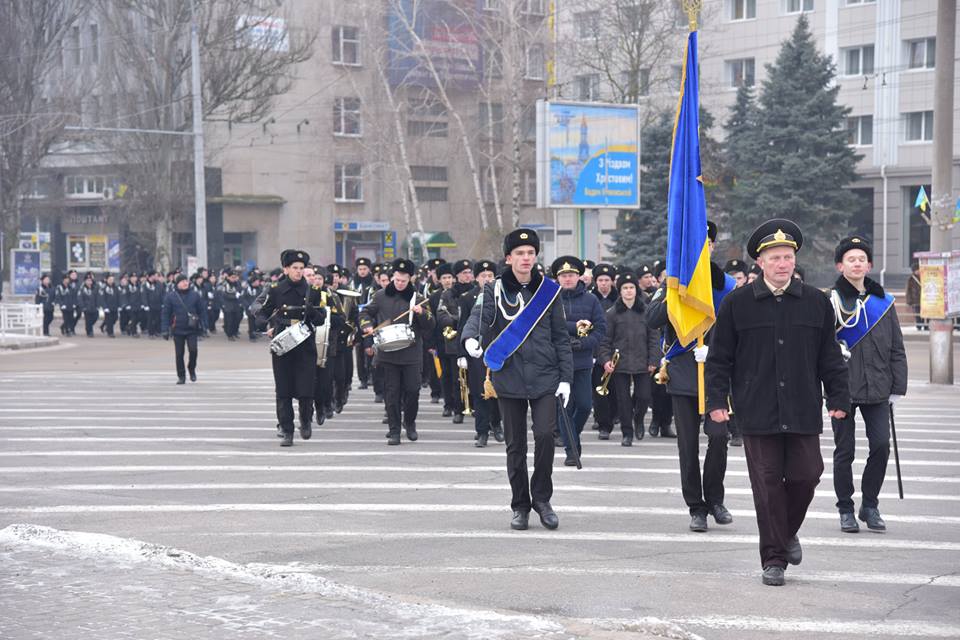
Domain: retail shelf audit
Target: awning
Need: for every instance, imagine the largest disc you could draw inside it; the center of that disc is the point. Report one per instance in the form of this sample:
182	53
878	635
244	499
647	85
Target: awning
433	240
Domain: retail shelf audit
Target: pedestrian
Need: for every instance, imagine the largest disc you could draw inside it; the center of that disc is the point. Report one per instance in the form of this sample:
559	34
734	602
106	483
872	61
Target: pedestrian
363	283
638	349
87	304
110	303
603	405
913	295
323	381
230	292
774	345
291	301
397	305
182	316
869	331
449	323
134	305
520	331
45	297
65	298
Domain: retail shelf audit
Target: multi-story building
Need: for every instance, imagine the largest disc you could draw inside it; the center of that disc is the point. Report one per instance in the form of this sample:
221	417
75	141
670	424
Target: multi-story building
884	53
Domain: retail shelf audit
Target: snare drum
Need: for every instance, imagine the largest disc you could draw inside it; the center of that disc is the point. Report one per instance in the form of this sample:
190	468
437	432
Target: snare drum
289	339
394	337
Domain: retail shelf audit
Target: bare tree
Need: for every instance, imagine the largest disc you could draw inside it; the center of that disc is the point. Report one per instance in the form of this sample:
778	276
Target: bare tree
246	62
36	100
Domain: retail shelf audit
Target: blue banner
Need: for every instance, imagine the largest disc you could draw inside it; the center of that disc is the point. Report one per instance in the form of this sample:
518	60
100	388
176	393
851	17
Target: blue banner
25	272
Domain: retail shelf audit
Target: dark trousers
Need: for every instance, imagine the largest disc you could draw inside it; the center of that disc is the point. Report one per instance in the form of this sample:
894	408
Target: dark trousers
109	320
631	405
190	342
876	420
449	384
364	368
402	394
47	319
251	325
784	472
436	388
231	322
699	496
342	374
603	406
456	401
66	327
124	320
377	379
543	411
323	387
578	409
90	317
133	319
662	405
212	316
285	412
153	321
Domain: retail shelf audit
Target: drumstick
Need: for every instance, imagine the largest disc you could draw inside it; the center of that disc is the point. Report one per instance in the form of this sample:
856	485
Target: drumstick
389	322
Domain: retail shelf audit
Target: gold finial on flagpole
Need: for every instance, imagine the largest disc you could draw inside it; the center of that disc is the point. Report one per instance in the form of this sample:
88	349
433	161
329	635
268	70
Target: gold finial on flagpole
692	8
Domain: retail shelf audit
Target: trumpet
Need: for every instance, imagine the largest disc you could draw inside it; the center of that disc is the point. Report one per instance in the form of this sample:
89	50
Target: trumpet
602	389
584	327
465	393
661	377
449	333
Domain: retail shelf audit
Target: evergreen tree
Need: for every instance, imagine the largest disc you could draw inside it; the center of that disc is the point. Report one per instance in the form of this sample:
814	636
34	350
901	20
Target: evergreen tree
795	162
738	127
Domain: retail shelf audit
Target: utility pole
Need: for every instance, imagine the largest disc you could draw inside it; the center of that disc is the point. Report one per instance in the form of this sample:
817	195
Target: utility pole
941	331
199	180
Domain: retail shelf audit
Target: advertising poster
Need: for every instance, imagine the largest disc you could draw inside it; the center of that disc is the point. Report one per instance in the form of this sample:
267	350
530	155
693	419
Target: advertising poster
389	245
933	291
97	253
113	254
77	252
588	155
447	29
25	274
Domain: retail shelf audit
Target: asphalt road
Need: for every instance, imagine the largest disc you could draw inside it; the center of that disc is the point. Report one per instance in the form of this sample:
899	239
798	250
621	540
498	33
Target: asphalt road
95	437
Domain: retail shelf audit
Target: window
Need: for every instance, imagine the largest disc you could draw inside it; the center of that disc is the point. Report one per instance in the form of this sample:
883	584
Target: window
635	85
922	53
85	186
855	2
74	45
586	23
346	116
528	124
348	183
431	194
860	130
634	17
919	126
535	62
36	189
491	121
492	61
588	86
427	118
535	7
796	6
740	73
858	61
427	129
346	45
528	190
743	9
429	174
491	5
94	44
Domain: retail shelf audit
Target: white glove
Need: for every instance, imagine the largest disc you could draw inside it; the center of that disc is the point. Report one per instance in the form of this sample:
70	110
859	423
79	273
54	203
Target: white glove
563	392
462	363
472	345
894	398
700	353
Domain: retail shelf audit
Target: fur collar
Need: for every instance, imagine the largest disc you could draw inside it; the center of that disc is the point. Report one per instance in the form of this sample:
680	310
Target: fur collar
511	284
622	308
406	294
848	292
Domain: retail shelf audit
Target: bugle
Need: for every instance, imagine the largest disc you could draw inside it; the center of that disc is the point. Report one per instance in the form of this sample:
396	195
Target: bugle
602	389
465	393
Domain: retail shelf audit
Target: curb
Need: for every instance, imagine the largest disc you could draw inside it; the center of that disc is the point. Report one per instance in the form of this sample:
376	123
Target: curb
33	343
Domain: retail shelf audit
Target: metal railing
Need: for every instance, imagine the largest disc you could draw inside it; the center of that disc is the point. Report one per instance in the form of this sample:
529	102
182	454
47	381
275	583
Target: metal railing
21	319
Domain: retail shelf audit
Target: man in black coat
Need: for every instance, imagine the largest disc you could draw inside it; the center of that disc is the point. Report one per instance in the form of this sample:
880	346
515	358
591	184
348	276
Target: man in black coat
45	296
87	304
183	315
364	284
449	323
110	302
530	372
878	378
66	298
230	293
291	301
400	304
603	406
774	345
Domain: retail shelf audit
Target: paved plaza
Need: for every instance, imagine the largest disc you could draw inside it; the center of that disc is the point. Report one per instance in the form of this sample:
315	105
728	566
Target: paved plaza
134	508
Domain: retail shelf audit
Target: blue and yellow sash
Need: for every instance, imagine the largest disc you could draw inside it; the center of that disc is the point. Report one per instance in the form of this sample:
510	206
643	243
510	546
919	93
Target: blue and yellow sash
874	309
729	284
515	333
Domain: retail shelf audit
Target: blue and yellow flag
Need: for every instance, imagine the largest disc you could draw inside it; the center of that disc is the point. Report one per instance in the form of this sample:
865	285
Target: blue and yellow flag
689	292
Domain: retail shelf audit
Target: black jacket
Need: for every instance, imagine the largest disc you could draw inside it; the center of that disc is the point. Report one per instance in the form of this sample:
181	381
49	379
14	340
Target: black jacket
45	296
87	299
543	361
878	363
606	301
66	297
230	293
627	331
110	297
449	315
384	307
776	351
174	316
153	295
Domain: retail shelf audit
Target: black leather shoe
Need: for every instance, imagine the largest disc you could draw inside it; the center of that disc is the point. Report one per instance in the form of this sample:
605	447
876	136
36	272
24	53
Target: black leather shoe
557	442
434	400
279	431
720	514
794	551
393	439
181	381
458	418
521	520
287	439
666	431
328	413
306	430
321	418
640	432
698	522
773	576
498	432
627	441
570	461
378	397
385	420
848	523
653	430
871	516
412	434
193	376
447	413
481	440
338	407
548	518
603	435
363	385
736	441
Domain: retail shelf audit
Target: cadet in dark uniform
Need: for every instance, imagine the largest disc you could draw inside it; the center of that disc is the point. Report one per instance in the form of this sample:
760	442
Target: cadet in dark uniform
448	377
292	301
87	304
662	406
449	324
230	294
603	287
248	295
429	288
323	383
134	300
364	284
774	345
110	302
520	331
45	296
399	303
154	294
66	298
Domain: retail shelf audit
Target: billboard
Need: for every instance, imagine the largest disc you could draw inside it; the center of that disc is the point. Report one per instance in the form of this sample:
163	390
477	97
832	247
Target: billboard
449	36
588	155
263	32
25	274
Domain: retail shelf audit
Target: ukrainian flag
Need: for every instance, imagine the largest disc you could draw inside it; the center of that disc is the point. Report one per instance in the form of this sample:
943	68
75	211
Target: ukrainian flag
689	291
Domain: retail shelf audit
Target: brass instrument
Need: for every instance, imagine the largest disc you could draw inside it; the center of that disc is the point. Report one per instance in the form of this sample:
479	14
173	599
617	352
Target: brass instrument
584	327
449	333
465	393
661	376
489	392
601	389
